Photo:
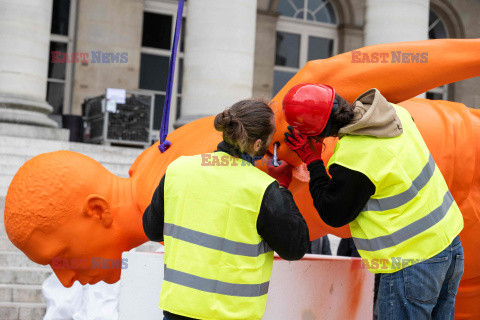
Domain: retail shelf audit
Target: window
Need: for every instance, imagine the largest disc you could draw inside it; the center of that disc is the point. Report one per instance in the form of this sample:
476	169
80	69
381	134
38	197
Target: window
306	30
157	41
437	30
311	10
59	83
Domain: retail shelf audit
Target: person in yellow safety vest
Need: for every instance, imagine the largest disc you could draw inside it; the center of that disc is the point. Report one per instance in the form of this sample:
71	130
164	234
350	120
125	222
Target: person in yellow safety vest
221	219
385	184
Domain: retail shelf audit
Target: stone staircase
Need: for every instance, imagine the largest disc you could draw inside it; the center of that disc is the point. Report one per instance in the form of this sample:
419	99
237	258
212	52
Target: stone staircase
21	279
15	151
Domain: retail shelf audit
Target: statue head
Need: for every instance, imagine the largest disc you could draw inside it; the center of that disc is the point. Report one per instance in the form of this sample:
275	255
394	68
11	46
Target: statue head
65	209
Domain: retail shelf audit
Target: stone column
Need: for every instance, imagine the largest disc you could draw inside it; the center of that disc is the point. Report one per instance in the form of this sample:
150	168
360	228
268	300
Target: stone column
219	56
350	37
24	45
388	21
264	53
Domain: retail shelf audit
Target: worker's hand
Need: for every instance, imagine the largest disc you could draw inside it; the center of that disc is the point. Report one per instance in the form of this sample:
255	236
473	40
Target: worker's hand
282	173
302	148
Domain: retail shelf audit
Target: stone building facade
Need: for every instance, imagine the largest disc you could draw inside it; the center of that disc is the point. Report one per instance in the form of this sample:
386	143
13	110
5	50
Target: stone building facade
229	49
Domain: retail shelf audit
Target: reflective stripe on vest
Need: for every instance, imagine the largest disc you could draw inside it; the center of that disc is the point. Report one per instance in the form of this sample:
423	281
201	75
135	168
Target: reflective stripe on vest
409	231
402	198
214	242
215	286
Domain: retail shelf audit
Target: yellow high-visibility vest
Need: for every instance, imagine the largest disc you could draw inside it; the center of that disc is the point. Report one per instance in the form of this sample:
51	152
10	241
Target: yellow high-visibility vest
216	264
412	216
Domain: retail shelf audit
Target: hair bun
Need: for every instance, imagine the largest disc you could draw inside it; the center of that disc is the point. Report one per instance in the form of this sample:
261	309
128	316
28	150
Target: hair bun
223	120
228	118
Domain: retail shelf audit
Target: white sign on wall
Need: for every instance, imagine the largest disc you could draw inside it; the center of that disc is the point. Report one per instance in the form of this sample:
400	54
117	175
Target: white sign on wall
117	95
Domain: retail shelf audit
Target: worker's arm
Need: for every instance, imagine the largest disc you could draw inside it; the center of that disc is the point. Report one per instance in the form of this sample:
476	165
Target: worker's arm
154	214
281	225
340	199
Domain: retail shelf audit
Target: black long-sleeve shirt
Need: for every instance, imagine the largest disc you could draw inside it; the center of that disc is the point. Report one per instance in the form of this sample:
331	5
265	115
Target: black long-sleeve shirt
279	221
340	199
347	248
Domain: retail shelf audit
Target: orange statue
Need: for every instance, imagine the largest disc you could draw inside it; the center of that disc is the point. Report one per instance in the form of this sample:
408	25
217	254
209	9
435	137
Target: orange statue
66	210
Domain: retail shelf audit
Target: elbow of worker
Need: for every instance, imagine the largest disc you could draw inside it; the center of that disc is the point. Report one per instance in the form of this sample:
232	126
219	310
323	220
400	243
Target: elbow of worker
333	222
153	233
292	256
295	253
155	237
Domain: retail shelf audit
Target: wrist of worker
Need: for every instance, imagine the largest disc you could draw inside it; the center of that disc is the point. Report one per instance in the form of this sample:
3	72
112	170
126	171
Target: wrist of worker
316	164
311	158
284	183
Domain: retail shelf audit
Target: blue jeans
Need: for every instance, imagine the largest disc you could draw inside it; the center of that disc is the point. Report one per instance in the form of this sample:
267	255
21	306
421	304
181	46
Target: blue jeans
425	290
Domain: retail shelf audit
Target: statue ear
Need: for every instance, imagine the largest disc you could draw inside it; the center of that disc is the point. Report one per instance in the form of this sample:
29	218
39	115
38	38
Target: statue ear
97	206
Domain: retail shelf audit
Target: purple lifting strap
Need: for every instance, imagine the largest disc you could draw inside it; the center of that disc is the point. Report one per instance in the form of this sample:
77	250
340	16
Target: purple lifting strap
164	144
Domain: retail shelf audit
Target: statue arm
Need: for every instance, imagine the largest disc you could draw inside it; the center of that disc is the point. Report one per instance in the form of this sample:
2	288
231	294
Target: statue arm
449	60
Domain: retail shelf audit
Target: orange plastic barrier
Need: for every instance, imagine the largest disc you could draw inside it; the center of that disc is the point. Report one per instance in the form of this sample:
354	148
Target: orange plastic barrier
82	198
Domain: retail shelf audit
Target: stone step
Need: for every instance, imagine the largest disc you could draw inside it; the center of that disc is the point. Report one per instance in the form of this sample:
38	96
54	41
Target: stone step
2	209
86	148
24	275
15	159
33	132
120	169
5	181
32	147
5	243
9	170
3	232
102	157
16	259
22	311
14	162
3	192
21	293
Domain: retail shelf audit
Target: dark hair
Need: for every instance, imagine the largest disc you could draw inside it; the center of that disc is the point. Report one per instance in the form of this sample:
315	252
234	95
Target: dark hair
245	122
338	119
343	115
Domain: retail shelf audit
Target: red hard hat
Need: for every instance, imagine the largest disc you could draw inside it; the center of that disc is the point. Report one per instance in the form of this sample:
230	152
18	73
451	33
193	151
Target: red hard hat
307	107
